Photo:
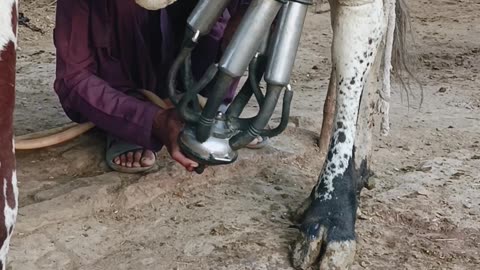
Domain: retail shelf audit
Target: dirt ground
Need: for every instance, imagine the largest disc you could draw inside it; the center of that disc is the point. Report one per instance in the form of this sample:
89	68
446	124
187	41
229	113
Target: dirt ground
423	214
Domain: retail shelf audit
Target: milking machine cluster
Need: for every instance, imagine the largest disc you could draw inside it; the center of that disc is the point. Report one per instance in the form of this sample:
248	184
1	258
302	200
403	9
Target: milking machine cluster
212	137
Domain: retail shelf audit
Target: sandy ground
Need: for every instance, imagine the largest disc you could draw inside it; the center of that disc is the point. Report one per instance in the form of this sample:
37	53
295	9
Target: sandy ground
423	214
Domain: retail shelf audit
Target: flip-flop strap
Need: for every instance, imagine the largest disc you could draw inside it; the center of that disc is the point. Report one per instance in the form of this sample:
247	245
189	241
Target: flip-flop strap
116	147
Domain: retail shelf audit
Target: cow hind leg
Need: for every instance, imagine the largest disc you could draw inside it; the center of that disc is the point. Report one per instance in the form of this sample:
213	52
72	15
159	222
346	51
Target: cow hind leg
327	226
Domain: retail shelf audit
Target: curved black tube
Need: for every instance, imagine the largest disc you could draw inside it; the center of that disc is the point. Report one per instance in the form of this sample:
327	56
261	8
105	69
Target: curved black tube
187	75
191	96
255	73
287	101
215	98
172	74
242	124
187	48
243	138
240	101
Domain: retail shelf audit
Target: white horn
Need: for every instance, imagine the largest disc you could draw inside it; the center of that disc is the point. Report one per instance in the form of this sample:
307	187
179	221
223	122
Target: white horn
154	4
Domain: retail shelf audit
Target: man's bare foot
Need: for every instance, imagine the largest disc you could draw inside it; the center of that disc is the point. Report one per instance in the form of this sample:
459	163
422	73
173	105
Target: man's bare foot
258	143
136	159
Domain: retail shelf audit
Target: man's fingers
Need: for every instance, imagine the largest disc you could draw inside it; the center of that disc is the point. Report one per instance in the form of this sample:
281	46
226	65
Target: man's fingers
170	136
184	161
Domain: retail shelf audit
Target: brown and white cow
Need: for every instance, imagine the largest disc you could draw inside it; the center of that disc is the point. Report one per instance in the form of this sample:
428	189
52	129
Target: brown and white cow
8	178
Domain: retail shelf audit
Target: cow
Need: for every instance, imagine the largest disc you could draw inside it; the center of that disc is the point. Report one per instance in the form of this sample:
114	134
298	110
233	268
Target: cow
368	35
8	178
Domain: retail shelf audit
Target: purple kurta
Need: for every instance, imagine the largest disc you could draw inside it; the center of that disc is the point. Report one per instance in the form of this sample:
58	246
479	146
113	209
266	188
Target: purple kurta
108	48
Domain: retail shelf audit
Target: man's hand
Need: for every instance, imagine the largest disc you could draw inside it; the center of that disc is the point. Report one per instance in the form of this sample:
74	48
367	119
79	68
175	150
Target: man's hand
167	127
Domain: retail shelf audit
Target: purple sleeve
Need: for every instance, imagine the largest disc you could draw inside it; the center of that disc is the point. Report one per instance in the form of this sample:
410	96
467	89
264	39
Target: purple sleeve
86	97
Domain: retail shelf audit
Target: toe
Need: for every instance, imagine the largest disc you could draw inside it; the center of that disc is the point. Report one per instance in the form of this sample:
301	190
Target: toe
117	160
136	158
339	255
129	159
307	248
123	160
148	159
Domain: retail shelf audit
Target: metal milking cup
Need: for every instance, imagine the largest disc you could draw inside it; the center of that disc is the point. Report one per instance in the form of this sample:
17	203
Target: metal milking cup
211	137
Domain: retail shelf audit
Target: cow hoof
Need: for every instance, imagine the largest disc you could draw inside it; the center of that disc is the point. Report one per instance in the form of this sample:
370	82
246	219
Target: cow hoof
327	237
332	255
